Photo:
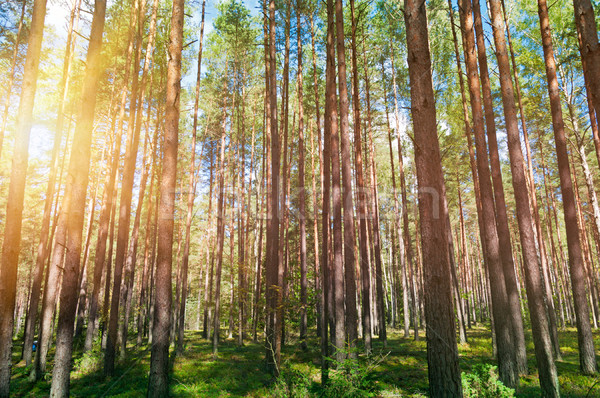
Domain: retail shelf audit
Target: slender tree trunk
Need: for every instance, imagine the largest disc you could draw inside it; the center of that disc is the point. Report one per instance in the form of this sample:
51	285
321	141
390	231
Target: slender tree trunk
318	273
337	276
44	243
210	252
259	266
406	250
130	260
83	275
507	360
273	342
535	287
109	269
149	240
301	184
501	216
351	318
244	273
326	291
442	352
191	195
587	356
110	194
280	318
468	135
158	381
131	150
220	228
361	197
379	308
16	192
76	185
533	197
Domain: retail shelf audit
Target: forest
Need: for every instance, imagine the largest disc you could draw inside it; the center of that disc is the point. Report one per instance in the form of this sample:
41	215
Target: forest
299	198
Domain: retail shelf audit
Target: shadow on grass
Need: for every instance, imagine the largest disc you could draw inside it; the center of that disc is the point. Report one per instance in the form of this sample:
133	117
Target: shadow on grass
400	369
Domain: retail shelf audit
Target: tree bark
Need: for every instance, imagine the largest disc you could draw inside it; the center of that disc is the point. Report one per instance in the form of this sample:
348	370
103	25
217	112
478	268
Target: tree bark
16	193
535	288
158	381
76	185
351	316
361	197
374	215
44	243
442	352
131	150
501	216
504	330
220	228
301	184
273	342
589	48
337	276
191	194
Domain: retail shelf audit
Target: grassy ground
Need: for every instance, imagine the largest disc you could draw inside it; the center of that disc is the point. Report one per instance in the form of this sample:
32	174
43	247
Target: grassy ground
398	370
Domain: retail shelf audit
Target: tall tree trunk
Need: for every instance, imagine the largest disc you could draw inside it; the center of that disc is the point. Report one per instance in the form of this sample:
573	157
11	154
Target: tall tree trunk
468	135
533	197
244	272
326	291
587	355
534	283
110	193
374	216
501	216
361	197
259	246
318	273
337	276
109	269
220	227
158	381
406	257
130	260
45	244
210	251
76	185
131	149
285	100
83	275
16	192
351	319
273	342
442	352
507	360
150	239
301	184
191	194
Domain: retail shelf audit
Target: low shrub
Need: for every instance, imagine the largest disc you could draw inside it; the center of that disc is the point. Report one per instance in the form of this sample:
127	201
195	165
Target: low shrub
291	383
483	382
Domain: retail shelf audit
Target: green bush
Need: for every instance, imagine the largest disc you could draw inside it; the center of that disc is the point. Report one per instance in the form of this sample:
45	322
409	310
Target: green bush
483	382
90	362
291	383
351	379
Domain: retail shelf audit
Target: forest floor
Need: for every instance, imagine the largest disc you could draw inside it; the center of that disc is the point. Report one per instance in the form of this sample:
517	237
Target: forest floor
398	370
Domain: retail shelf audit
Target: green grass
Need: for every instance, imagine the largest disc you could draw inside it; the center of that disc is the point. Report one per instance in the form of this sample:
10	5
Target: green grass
399	370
